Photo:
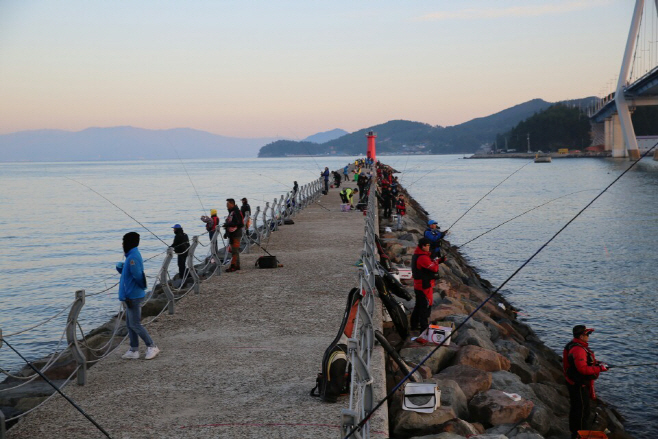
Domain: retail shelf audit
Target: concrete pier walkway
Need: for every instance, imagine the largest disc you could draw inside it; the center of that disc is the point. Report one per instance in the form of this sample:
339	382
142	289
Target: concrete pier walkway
239	359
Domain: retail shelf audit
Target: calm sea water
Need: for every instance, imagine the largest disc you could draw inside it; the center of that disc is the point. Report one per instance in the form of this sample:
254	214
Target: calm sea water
60	237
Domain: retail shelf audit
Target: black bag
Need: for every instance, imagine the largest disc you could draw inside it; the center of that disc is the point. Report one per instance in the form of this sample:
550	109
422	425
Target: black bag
394	308
267	262
325	192
335	376
394	286
288	222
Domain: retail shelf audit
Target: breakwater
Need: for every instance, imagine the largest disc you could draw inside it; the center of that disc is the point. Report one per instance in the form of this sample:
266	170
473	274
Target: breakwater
493	354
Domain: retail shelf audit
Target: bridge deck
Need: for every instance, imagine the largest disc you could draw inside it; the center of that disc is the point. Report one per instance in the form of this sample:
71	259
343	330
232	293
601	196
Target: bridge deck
239	359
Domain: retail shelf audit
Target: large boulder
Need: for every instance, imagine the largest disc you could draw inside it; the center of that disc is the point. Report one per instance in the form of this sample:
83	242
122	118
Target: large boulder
513	431
408	424
440	436
452	396
461	427
557	403
439	360
481	358
472	333
470	379
517	354
494	407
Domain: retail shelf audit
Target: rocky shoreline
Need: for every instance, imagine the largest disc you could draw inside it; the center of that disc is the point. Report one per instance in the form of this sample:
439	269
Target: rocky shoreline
493	355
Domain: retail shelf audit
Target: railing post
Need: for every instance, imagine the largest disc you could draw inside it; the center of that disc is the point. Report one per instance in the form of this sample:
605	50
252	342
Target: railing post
72	339
214	252
266	224
190	264
165	282
256	231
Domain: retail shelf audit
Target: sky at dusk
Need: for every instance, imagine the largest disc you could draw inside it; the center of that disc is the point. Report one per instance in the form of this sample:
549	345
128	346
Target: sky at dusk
294	68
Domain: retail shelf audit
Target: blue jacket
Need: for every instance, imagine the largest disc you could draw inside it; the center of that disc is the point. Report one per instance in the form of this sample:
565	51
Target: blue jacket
132	283
325	174
434	235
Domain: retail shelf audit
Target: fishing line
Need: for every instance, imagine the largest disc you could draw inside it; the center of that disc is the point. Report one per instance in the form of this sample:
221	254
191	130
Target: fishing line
520	215
429	172
274	179
490	296
57	389
485	195
129	215
188	176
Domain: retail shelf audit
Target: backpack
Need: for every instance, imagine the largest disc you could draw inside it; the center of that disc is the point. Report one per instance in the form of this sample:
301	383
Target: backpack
394	308
335	375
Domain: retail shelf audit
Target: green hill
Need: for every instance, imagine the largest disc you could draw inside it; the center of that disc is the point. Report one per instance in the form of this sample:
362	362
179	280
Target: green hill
400	136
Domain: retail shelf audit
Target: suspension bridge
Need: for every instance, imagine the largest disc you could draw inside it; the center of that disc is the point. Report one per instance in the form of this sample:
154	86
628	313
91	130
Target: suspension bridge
637	85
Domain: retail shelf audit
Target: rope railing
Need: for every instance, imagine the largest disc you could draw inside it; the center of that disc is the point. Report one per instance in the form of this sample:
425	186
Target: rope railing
78	348
361	344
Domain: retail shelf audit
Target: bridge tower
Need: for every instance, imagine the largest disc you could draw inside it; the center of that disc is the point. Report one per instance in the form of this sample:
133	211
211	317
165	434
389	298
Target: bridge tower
623	111
371	154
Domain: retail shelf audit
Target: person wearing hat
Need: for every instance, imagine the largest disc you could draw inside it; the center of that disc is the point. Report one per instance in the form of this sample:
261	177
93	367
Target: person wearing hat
424	270
233	226
132	286
580	371
212	222
435	235
180	245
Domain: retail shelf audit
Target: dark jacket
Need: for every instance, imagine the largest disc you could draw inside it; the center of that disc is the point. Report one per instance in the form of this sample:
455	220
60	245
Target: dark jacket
234	220
244	209
435	236
181	242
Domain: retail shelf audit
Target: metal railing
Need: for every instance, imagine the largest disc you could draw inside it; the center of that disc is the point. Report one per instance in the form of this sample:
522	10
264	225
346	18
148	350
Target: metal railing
361	344
77	348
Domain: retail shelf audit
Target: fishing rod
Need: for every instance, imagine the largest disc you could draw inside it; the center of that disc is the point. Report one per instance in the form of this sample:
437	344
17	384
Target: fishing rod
188	176
429	172
520	215
395	388
485	195
45	378
624	366
274	179
113	204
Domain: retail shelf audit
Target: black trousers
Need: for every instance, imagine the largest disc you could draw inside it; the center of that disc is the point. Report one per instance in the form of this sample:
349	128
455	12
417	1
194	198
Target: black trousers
579	409
181	265
387	208
420	316
326	185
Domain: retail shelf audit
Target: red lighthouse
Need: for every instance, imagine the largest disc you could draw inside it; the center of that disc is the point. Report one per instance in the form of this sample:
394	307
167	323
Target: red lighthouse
371	145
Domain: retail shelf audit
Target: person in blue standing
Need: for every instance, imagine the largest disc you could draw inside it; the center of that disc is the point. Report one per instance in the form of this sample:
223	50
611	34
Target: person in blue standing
346	172
132	288
435	235
325	174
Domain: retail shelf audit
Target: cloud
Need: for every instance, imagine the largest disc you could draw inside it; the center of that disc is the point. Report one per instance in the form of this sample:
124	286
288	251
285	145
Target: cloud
515	11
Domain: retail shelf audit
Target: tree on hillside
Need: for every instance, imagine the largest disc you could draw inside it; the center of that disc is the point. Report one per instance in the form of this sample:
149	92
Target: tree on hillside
558	126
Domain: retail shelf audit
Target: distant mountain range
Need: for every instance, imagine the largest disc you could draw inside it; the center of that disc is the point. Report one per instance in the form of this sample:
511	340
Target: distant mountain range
399	136
123	143
326	136
130	143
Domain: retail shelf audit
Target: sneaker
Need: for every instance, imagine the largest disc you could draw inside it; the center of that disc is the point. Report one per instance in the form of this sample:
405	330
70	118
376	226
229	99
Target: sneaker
151	353
131	355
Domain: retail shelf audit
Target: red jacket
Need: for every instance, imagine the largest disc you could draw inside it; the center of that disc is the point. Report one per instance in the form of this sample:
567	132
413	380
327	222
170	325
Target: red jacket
580	366
423	268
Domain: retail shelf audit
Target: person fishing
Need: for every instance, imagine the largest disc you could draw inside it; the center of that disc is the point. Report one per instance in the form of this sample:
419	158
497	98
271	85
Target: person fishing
212	222
401	209
325	174
180	245
245	210
233	226
132	286
424	270
435	235
347	196
337	178
387	201
580	371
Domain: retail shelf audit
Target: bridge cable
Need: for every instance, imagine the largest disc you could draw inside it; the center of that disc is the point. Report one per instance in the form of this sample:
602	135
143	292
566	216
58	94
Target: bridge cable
485	301
58	390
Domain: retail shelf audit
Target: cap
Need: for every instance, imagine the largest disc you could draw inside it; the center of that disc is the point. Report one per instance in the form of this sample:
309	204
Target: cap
579	330
213	211
177	226
430	222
